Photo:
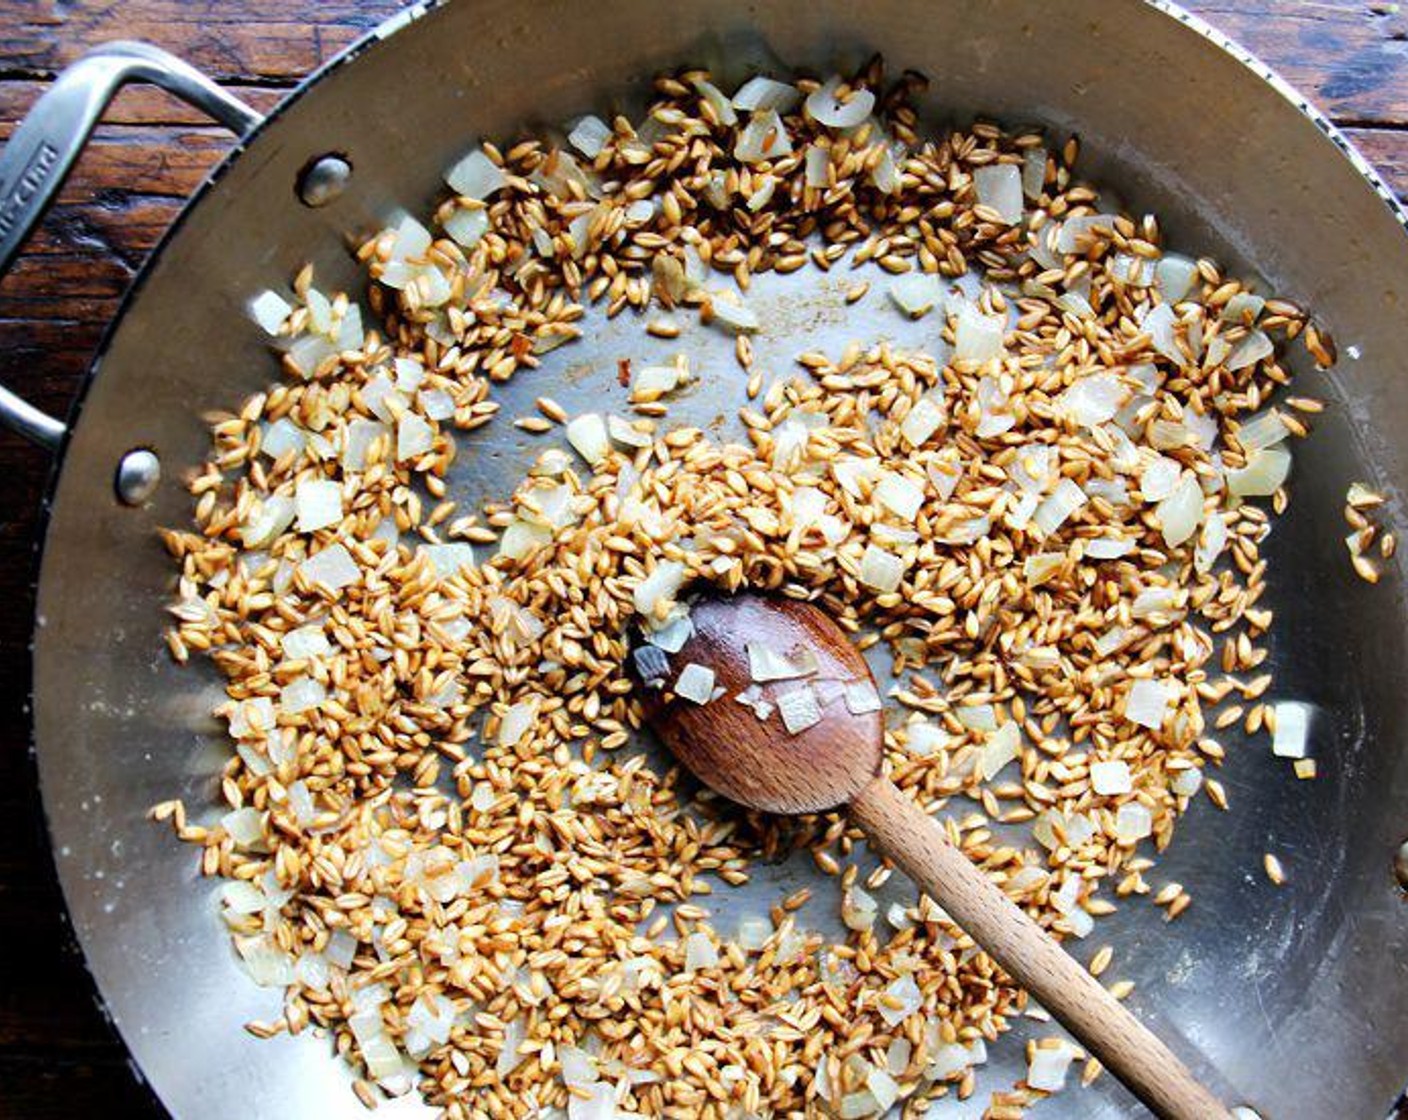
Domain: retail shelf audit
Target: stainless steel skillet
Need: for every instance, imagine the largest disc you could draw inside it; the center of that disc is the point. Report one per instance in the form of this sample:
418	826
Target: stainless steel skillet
1293	1000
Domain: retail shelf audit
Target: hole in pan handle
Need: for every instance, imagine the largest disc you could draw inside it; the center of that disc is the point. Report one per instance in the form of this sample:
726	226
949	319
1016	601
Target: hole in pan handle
34	164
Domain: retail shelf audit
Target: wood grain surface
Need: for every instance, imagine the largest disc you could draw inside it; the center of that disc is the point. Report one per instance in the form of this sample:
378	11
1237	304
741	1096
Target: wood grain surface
57	1056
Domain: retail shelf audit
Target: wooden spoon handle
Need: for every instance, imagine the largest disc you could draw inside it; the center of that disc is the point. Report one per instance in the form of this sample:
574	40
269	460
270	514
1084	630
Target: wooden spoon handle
917	843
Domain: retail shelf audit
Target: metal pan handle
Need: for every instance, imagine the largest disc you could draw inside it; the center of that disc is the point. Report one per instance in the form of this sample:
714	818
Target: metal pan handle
34	164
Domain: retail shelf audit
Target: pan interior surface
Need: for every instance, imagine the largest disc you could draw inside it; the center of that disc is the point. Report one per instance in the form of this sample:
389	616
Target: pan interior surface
1294	1000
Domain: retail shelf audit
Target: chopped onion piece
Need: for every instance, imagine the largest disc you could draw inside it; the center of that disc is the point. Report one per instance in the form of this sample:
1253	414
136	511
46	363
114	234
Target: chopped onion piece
999	187
884	1089
588	435
319	504
1076	232
916	293
1244	308
1002	746
826	109
267	520
718	101
1148	703
652	382
306	641
763	94
799	709
763	138
862	698
467	227
1041	566
516	721
1058	506
1159	325
1133	821
1160	478
333	568
659	588
695	683
1175	276
925	417
885	175
818	161
1211	542
413	437
1264	474
699	952
1188	782
753	932
1047	1069
672	636
449	560
978	337
880	570
589	135
301	695
1108	548
1109	779
1093	400
1180	513
734	317
270	310
476	176
267	964
767	664
521	537
900	494
1252	349
1266	429
1292	729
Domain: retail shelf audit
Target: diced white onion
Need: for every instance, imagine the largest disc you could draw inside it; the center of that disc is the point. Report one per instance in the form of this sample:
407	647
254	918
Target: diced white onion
760	93
818	160
521	537
1148	703
1110	778
1033	172
516	721
1160	478
1264	474
978	337
1266	429
999	187
319	504
650	383
333	567
660	587
449	559
476	176
1002	746
733	316
880	570
1108	548
718	101
413	437
695	683
925	417
588	436
1159	324
1187	782
300	695
1133	821
1058	506
466	227
270	310
1093	400
1075	232
916	293
1174	276
1180	513
763	138
753	932
824	107
699	952
1292	729
799	709
1254	348
883	1088
1047	1069
245	826
589	135
900	494
862	698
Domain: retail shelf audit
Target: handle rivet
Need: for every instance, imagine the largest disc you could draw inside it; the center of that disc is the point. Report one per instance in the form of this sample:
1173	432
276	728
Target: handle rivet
137	476
1400	865
323	179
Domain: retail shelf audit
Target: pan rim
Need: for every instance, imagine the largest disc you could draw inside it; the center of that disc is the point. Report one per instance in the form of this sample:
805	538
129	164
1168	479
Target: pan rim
369	41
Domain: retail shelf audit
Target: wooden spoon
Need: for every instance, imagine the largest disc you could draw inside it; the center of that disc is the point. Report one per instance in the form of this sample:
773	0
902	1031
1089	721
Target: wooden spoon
837	762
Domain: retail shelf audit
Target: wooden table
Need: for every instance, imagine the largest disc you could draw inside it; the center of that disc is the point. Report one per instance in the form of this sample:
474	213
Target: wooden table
57	1056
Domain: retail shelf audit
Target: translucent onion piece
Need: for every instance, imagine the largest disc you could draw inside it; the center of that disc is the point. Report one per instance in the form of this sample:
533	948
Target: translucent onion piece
916	293
760	93
1292	729
1160	478
1002	746
944	473
923	419
588	436
978	337
885	175
319	504
1093	400
333	568
734	317
1111	490
466	227
1180	513
301	695
1058	506
767	664
1133	821
410	242
1148	703
884	1088
1188	782
763	138
516	721
1041	566
1077	233
695	683
1243	308
476	176
1254	348
1034	172
413	437
753	932
1265	429
1264	474
718	101
1175	276
861	698
818	160
659	588
651	383
1109	779
1211	542
1108	548
520	537
824	107
880	570
449	559
589	135
270	310
699	952
1047	1069
799	709
1159	324
999	188
900	494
